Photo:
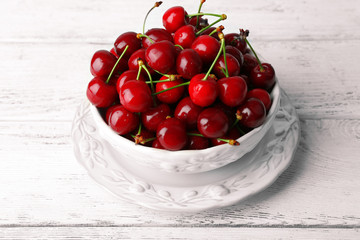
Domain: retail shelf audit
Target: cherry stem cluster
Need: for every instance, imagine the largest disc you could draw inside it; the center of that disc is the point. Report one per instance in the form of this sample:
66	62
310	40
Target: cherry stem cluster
117	62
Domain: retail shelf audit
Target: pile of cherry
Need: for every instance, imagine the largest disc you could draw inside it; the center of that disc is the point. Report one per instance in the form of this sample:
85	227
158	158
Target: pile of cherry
185	86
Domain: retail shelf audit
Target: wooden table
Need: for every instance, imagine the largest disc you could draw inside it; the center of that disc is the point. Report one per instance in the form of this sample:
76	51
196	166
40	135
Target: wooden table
45	51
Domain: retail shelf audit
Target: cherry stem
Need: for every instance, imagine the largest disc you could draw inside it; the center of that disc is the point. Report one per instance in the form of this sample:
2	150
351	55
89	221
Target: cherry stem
179	85
224	53
216	58
256	56
195	134
157	4
139	36
230	141
149	139
159	81
197	17
181	47
214	31
240	130
117	62
205	14
142	65
140	126
222	17
139	72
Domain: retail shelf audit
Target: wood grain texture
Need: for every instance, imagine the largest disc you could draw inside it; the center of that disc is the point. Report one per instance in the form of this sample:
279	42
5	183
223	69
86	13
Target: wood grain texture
43	185
158	233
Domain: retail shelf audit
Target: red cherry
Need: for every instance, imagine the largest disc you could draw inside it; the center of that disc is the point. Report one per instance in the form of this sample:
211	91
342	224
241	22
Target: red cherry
188	63
197	142
127	76
212	123
112	51
174	18
236	53
133	61
188	112
203	22
157	35
101	94
102	63
170	96
154	116
262	95
235	39
127	39
229	111
249	63
233	134
156	144
203	92
232	90
232	64
252	113
161	56
207	47
185	36
210	30
171	134
122	121
263	78
135	96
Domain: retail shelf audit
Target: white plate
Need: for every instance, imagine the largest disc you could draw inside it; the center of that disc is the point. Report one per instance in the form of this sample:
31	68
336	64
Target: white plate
224	186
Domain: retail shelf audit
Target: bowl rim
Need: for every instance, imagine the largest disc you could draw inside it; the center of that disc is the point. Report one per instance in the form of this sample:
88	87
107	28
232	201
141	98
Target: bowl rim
118	139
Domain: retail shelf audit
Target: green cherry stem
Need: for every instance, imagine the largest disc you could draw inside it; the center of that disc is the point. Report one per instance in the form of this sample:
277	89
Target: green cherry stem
117	62
216	58
139	36
230	141
139	72
159	81
221	18
157	4
205	14
181	47
256	56
221	36
179	85
195	134
142	65
197	17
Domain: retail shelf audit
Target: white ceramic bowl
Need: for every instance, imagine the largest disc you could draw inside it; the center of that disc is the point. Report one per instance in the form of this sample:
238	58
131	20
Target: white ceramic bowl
185	161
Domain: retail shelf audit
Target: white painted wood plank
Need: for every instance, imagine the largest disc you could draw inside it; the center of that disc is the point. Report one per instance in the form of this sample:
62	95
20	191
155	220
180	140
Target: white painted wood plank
42	82
42	184
96	21
175	233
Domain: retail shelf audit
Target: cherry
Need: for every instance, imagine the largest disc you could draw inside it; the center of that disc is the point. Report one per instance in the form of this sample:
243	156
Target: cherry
236	53
102	63
188	112
252	113
209	31
185	36
203	92
188	63
232	90
174	18
112	51
133	61
157	35
127	76
197	142
101	94
262	95
203	22
207	47
232	134
154	116
171	134
232	64
229	111
127	39
172	95
236	40
161	56
136	96
263	76
121	120
212	123
249	63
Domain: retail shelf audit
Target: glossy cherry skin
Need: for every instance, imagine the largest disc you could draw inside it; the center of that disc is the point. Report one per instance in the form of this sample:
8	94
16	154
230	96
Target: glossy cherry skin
212	123
127	39
185	36
249	63
112	51
101	94
197	142
157	35
170	96
203	22
252	113
102	63
232	134
174	18
122	121
136	96
234	39
156	144
263	78
188	112
262	95
161	56
236	53
127	76
133	61
207	47
232	64
203	92
154	116
171	134
188	63
232	90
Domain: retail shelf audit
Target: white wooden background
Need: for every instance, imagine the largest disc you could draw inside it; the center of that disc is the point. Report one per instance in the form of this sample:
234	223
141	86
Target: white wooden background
45	49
